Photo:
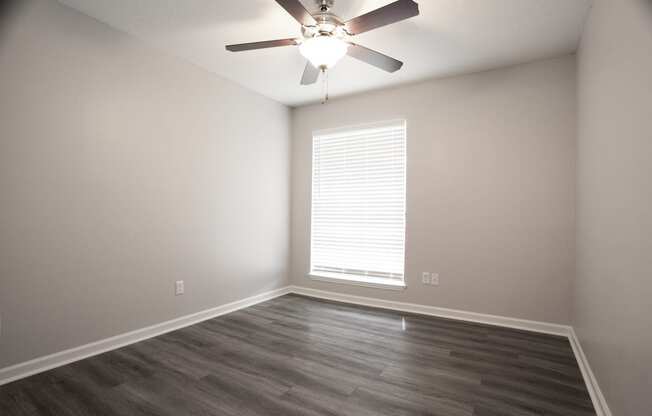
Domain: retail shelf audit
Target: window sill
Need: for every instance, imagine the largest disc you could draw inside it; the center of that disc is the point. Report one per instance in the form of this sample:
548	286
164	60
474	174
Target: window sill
350	279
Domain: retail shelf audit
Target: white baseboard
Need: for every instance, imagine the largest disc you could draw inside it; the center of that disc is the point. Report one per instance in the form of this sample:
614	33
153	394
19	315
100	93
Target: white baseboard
597	398
599	402
38	365
543	327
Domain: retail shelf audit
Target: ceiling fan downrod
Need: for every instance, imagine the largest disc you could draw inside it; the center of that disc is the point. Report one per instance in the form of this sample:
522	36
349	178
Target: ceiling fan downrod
325	5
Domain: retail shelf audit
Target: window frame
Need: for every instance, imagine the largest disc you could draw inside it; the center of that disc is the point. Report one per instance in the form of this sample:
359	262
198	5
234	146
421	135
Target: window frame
358	279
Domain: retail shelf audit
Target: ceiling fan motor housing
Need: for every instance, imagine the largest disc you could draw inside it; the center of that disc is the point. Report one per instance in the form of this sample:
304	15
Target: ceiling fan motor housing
328	24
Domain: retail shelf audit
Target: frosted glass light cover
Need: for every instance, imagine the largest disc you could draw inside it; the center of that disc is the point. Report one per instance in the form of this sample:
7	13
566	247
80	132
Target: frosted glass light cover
323	51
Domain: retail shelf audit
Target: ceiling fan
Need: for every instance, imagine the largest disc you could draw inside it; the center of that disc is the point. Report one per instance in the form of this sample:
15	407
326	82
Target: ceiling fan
326	37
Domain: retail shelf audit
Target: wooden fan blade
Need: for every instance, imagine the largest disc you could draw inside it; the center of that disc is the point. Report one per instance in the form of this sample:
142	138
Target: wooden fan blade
261	45
296	10
371	57
310	74
392	13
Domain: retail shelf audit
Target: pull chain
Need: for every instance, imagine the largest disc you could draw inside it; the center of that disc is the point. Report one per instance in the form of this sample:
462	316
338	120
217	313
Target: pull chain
324	85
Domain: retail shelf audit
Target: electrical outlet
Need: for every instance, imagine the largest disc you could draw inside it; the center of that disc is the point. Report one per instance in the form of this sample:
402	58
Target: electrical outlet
178	288
425	278
434	279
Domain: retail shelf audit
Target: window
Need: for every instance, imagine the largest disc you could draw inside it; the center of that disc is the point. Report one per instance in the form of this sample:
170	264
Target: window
358	205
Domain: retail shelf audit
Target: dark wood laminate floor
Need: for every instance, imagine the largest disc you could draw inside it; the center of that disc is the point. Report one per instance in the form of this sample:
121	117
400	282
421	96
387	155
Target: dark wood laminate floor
299	356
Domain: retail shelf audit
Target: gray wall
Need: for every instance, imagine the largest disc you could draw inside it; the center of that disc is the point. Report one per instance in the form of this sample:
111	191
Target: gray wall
121	171
613	290
491	188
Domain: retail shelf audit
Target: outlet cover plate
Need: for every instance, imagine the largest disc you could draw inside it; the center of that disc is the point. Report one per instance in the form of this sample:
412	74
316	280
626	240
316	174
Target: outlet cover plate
179	288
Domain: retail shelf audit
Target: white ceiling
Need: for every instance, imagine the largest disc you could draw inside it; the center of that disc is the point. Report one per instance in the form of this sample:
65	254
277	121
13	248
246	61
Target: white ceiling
448	37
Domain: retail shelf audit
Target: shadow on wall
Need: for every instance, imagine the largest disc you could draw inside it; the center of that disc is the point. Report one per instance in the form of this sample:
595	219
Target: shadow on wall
8	9
647	5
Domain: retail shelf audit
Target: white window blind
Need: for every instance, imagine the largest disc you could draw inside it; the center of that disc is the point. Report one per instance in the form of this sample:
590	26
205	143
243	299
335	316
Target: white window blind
358	201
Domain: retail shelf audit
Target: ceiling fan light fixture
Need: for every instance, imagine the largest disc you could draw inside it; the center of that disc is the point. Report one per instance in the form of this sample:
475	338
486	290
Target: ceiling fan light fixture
323	51
324	36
